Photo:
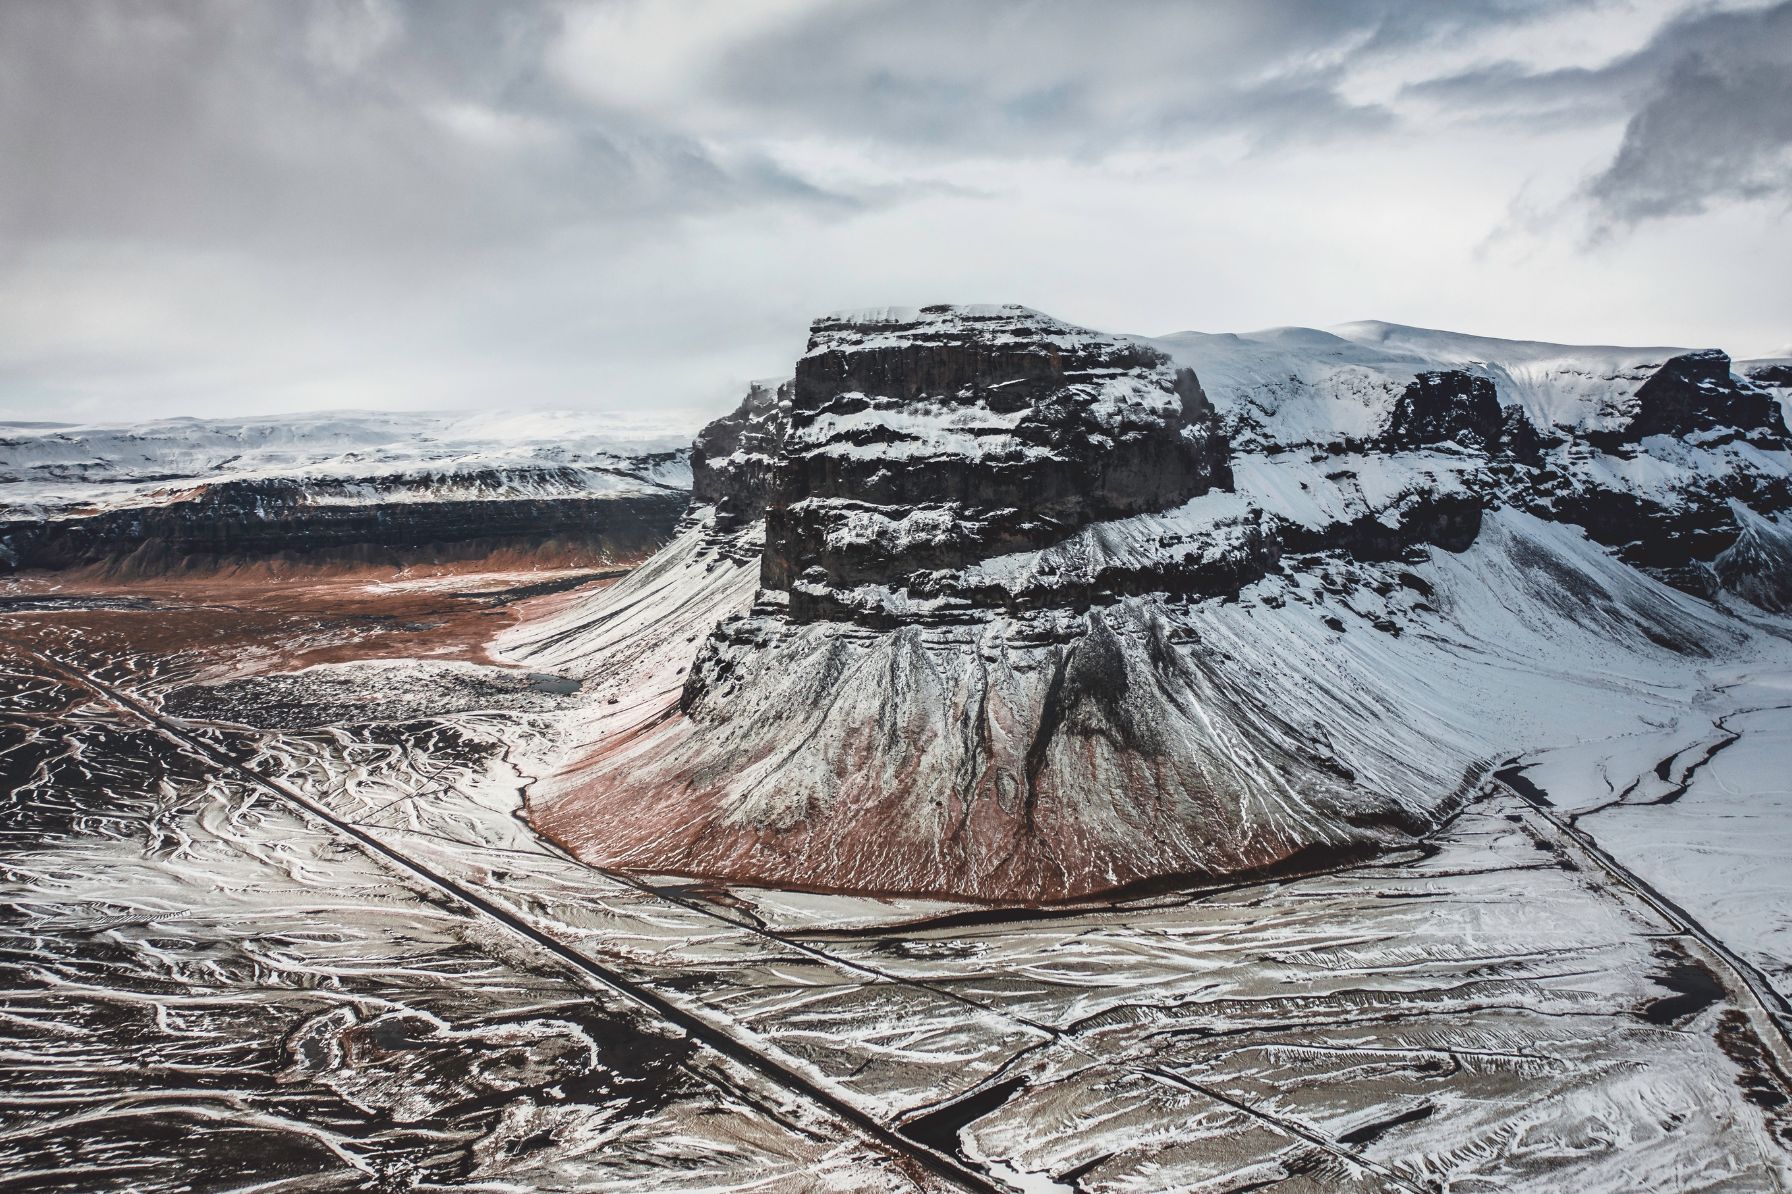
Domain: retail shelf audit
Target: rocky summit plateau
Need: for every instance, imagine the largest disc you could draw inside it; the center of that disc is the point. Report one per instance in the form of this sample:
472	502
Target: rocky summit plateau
981	604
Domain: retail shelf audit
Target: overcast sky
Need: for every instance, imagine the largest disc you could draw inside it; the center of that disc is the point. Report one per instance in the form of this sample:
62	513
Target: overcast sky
264	205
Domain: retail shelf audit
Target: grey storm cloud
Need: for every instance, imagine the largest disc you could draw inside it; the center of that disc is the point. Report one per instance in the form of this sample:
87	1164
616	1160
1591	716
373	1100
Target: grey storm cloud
1056	76
324	125
1716	124
389	126
206	203
355	122
1707	104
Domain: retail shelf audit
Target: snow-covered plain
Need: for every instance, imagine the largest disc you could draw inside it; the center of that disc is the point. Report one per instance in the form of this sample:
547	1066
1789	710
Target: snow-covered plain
207	989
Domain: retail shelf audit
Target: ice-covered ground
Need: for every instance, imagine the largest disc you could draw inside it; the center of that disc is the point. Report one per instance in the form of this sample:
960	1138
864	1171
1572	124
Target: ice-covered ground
209	990
1700	805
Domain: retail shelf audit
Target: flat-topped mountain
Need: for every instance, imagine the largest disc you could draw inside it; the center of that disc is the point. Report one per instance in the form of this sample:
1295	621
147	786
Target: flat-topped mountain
918	444
983	604
180	494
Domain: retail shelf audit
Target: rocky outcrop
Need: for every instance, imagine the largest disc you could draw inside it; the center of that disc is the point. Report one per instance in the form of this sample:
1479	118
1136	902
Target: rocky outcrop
732	458
963	670
1447	406
1697	394
923	442
1719	442
1757	564
1776	374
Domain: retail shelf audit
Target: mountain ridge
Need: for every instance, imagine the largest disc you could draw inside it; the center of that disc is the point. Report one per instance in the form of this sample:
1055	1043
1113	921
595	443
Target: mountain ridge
948	679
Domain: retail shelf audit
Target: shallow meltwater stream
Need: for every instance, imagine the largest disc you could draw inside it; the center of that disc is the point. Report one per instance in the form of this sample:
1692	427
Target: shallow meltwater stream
550	683
210	988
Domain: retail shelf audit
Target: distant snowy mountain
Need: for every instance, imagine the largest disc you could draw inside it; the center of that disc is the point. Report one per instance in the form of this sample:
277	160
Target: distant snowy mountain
180	492
983	604
52	467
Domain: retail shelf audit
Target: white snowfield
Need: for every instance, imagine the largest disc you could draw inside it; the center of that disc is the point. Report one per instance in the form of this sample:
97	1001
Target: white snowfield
49	470
1307	386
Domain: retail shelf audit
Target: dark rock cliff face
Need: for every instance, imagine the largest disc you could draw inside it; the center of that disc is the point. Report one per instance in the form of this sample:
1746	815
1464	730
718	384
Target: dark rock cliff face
240	522
1697	393
1757	565
732	458
963	671
928	443
1677	529
1447	406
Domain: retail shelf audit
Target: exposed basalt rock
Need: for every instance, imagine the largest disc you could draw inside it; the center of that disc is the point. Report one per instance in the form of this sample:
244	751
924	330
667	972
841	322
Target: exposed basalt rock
1677	526
238	522
1403	529
1673	531
1455	407
964	670
1697	393
732	458
1520	439
1690	526
929	440
1447	406
1757	566
1034	621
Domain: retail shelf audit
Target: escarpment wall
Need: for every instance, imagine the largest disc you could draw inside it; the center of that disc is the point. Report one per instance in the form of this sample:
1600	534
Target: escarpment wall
243	522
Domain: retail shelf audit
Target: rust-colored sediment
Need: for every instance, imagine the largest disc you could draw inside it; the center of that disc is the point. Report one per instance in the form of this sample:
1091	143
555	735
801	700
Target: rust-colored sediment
990	841
262	620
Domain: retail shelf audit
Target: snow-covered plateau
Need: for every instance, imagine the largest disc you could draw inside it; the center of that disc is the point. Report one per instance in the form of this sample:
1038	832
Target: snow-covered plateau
342	486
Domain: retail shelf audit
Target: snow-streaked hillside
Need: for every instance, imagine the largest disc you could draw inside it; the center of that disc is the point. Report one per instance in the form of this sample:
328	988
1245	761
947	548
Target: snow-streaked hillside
1298	386
1042	611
